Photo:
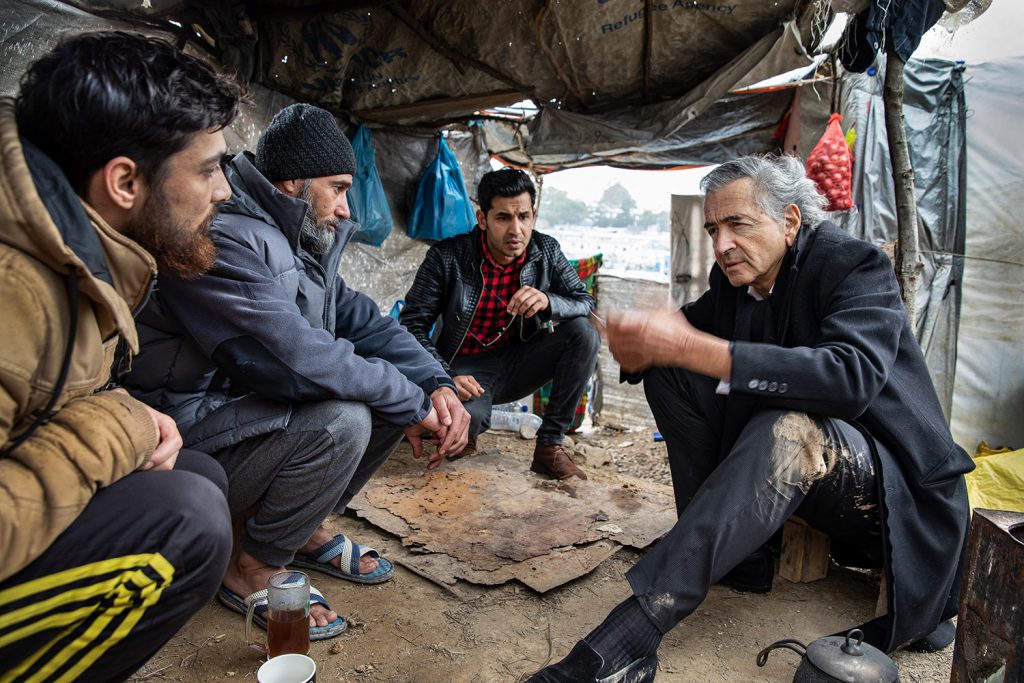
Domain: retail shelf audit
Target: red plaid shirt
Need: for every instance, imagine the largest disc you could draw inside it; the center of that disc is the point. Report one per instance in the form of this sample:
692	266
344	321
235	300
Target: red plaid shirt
491	327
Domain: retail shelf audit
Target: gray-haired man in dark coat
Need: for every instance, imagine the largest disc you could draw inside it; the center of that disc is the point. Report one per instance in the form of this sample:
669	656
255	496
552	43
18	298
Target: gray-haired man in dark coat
293	381
792	386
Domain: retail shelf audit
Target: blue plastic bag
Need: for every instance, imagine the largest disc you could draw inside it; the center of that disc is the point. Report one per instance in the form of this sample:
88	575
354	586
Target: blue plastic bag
366	199
442	208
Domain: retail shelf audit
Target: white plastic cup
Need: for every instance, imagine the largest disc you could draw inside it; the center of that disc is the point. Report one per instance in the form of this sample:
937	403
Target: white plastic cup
529	424
289	668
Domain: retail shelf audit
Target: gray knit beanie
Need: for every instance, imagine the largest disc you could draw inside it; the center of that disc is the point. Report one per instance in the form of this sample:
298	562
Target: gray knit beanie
303	142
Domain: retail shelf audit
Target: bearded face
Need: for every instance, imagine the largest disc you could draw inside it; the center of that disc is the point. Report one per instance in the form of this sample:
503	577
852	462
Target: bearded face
180	245
173	221
317	235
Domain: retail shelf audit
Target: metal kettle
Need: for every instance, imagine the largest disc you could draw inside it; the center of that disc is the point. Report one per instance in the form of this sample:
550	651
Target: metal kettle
839	659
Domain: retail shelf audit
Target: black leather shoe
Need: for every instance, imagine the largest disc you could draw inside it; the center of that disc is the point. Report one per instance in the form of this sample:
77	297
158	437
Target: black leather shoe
943	635
752	575
582	664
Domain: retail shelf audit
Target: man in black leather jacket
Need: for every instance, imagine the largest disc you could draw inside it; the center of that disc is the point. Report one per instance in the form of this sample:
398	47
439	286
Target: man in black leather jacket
511	314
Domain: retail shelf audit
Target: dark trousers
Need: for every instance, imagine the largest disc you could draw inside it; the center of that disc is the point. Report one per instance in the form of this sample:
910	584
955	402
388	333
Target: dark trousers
291	479
146	553
564	357
731	503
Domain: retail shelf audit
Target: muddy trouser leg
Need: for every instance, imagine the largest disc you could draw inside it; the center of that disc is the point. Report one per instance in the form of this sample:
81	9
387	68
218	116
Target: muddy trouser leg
292	478
780	461
144	555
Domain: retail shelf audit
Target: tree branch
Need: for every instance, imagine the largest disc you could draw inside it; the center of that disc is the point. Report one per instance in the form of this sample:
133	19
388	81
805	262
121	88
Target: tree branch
908	262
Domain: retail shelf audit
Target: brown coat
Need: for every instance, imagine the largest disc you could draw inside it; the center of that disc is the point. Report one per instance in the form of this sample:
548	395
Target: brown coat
94	439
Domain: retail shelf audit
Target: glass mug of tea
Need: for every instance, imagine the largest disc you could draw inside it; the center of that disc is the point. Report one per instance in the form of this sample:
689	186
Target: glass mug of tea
287	615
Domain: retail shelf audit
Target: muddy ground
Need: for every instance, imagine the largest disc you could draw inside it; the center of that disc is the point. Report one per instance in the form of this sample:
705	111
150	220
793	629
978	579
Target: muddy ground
412	630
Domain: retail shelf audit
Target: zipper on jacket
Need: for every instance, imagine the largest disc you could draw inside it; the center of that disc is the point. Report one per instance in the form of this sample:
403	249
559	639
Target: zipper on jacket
327	295
549	326
150	290
122	364
470	322
522	319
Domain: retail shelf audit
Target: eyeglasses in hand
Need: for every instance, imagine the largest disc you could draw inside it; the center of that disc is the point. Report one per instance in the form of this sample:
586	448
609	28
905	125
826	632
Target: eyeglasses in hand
501	332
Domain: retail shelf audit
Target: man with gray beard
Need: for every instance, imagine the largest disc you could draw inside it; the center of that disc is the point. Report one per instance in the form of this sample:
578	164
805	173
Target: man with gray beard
293	381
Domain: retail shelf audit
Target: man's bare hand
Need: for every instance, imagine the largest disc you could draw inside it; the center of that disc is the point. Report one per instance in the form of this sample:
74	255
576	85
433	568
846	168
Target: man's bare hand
168	439
528	301
468	387
666	338
168	442
455	418
431	424
639	340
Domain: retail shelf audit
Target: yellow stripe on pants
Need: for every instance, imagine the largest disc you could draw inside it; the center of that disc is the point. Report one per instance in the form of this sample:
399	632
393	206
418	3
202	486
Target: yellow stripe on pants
127	595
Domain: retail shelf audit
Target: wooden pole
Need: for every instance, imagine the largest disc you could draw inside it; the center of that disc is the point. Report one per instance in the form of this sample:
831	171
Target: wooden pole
908	261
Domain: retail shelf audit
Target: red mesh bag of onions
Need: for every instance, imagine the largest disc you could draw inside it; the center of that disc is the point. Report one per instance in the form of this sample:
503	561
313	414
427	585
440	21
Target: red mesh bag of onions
830	166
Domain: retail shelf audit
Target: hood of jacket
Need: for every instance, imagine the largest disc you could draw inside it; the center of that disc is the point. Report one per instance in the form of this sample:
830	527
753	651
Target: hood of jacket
42	217
256	197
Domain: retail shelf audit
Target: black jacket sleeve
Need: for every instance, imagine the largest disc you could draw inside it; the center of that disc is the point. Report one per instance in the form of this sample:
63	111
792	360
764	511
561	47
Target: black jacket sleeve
424	302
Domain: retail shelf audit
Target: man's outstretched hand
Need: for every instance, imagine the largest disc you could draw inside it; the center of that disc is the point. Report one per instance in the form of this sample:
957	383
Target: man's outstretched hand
665	338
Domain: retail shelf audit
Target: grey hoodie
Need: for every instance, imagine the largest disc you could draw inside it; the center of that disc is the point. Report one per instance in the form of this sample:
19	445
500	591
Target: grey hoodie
227	353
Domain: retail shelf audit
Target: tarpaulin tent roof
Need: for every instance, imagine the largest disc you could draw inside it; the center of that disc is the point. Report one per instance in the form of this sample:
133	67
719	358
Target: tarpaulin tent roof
619	81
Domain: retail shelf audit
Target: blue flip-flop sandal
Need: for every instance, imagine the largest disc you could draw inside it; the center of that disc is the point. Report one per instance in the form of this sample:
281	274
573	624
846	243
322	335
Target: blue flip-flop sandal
320	560
237	603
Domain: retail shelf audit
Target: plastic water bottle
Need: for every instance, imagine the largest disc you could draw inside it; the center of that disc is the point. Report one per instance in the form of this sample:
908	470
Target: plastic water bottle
512	407
517	420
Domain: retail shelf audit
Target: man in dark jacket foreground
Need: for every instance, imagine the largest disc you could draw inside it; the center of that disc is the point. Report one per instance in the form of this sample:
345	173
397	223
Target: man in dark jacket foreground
792	386
512	315
294	382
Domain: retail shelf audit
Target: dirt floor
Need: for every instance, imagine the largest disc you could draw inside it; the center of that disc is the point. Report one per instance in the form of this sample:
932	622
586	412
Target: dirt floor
412	630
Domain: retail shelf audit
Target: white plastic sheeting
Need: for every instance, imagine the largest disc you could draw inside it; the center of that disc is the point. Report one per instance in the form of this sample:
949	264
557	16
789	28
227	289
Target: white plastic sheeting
988	399
968	157
935	112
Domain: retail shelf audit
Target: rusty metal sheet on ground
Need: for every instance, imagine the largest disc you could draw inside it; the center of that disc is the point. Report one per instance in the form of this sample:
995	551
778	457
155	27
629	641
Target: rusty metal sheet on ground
487	520
540	573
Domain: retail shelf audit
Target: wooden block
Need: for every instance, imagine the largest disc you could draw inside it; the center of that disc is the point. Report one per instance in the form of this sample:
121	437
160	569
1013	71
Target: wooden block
804	552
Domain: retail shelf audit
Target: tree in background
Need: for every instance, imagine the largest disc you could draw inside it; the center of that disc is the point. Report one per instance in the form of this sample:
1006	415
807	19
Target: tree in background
658	219
558	208
616	207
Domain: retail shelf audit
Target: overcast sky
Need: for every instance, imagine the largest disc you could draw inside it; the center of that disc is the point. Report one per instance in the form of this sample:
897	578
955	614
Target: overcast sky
994	35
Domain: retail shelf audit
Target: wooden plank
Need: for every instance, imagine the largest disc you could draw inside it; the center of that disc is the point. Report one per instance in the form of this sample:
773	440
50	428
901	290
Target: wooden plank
804	553
882	604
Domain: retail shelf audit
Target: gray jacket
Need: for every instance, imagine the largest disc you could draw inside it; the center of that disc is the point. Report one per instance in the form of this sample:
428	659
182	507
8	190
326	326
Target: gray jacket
227	353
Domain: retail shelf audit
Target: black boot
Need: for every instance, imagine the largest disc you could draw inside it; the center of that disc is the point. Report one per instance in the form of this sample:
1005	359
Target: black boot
582	664
752	575
942	636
